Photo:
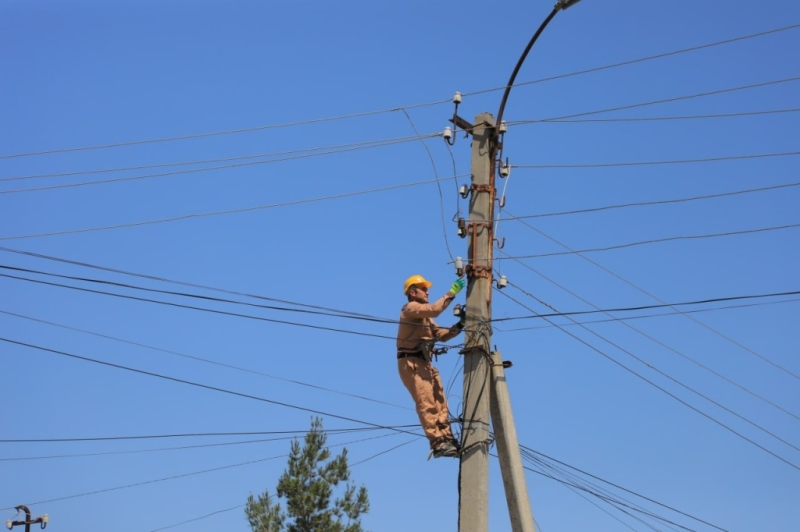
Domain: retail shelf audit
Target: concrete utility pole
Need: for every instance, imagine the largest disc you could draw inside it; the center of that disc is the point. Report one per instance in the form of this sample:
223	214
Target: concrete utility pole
505	433
473	508
483	370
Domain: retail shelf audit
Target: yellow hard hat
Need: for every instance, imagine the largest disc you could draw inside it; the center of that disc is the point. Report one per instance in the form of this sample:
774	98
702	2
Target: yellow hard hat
416	279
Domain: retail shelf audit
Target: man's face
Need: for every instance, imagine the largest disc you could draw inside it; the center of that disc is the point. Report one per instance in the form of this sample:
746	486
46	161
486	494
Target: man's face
420	294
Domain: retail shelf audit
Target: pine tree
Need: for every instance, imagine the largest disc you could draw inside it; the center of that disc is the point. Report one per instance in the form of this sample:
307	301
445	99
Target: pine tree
307	485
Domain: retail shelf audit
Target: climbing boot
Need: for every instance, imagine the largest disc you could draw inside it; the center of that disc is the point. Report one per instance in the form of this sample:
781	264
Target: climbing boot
445	448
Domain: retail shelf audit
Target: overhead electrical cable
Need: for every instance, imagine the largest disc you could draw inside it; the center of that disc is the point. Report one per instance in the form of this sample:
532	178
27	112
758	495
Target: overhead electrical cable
614	502
220	133
206	386
657	202
173	281
371	319
185	475
362	144
659	315
660	388
680	354
656	298
574	482
436	176
202	309
655	102
136	437
685	357
617	486
205	360
195	170
606	496
641	307
183	447
200	296
155	481
671	118
223	212
386	451
642	59
395	109
143	451
206	516
659	240
655	163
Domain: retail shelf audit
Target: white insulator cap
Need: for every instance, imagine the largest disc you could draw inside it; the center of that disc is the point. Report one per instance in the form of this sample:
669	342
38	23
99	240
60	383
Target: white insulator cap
464	191
457	97
505	170
447	133
503	127
502	282
45	519
9	525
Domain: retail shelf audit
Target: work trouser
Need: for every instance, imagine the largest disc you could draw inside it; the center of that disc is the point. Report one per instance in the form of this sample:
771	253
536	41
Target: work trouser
423	382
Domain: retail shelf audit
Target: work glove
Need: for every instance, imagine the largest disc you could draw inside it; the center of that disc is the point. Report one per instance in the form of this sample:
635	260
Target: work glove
458	286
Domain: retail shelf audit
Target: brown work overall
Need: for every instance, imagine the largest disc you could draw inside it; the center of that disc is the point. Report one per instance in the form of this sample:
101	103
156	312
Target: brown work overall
416	332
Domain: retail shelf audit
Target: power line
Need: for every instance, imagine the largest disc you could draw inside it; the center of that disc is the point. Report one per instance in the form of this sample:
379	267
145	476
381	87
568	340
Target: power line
670	348
362	144
656	202
617	486
615	503
662	314
179	448
185	435
656	102
645	379
184	475
213	311
641	307
652	296
642	59
155	481
142	451
220	133
687	358
671	118
201	297
658	240
229	211
655	163
199	518
394	109
208	169
205	360
242	505
680	354
205	386
373	319
612	501
173	281
438	184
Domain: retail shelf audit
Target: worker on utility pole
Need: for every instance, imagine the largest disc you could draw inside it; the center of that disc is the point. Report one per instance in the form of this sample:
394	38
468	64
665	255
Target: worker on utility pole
416	336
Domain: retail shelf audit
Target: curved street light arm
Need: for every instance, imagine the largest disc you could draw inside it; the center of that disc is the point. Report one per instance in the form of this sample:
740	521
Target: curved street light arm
521	60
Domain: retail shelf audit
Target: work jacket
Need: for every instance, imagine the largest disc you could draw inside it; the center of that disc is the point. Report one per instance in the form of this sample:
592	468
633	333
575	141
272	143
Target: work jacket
417	326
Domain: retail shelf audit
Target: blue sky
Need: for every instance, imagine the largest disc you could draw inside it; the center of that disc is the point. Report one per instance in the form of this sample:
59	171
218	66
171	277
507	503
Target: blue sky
87	74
